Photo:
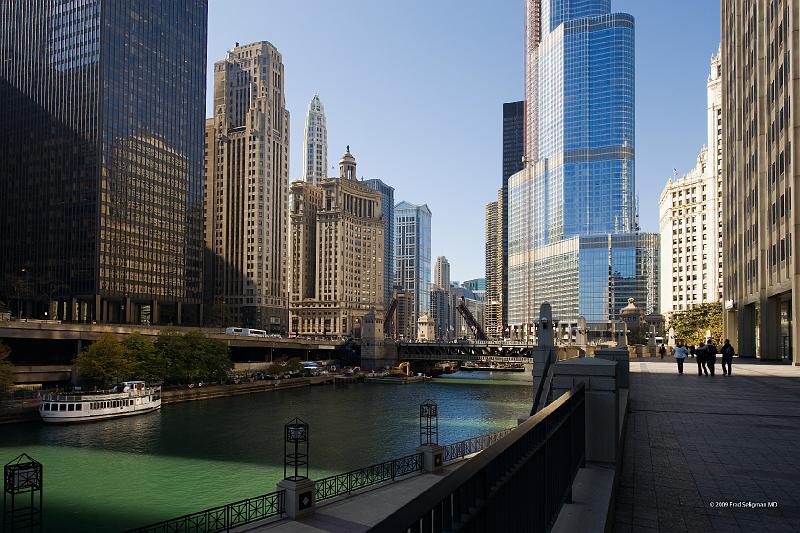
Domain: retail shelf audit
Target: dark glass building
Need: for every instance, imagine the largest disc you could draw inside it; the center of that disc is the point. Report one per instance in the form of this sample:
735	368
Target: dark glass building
513	151
102	108
387	210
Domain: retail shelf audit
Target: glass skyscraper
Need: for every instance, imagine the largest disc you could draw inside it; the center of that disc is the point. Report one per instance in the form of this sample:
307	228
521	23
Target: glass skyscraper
573	233
412	271
387	211
102	106
513	162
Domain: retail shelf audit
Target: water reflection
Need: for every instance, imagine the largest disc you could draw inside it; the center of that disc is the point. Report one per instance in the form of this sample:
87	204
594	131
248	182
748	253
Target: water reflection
197	454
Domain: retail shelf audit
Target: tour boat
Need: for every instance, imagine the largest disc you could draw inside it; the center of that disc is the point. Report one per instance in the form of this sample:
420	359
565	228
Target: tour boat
127	399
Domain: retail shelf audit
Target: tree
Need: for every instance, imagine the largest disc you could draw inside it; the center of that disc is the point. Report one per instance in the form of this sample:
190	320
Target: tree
691	325
6	368
147	363
192	356
294	365
105	362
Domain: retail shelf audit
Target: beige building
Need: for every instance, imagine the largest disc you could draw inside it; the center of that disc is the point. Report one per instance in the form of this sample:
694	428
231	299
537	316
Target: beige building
690	216
246	189
426	328
441	273
493	310
336	254
760	222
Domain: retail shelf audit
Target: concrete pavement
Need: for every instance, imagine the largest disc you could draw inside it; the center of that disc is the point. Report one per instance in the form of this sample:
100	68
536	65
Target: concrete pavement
711	453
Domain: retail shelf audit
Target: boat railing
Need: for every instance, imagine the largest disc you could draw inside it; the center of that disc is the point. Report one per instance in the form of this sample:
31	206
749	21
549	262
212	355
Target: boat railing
98	395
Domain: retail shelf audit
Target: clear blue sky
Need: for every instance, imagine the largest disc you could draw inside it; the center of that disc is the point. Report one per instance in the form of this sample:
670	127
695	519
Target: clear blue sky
416	89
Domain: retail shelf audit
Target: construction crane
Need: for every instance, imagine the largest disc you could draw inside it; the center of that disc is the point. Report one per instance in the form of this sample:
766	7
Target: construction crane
473	324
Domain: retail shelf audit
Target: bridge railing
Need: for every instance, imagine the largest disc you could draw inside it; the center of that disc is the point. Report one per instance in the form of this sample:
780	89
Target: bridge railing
340	484
519	483
460	449
224	517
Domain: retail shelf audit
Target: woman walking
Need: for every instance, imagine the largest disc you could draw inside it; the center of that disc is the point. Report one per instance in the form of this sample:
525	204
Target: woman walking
680	356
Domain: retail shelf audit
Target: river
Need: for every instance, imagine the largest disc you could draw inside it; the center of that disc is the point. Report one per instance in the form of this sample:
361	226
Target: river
116	474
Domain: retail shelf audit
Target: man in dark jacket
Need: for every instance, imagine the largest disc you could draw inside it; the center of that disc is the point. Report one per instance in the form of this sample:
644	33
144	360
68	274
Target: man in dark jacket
699	353
711	356
727	356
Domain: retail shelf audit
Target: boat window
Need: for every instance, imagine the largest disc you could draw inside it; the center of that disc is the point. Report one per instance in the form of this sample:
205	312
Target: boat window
62	407
45	407
71	407
79	407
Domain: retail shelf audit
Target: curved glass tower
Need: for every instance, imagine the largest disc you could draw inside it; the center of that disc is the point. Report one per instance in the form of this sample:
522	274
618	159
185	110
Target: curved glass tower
577	189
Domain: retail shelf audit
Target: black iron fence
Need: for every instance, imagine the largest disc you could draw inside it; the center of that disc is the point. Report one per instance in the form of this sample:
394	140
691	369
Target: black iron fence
224	517
519	484
346	483
460	449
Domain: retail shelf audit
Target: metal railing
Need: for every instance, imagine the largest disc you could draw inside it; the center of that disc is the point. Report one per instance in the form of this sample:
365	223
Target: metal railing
518	484
223	517
460	449
339	484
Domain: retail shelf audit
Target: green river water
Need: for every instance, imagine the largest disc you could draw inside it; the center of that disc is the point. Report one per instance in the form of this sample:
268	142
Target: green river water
117	474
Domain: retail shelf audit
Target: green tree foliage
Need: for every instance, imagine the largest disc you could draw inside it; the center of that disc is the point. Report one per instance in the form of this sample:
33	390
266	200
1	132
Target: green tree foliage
147	361
294	365
173	357
105	362
691	325
192	357
6	368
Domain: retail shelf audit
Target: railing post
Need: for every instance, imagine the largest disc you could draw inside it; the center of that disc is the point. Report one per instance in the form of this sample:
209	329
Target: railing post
227	518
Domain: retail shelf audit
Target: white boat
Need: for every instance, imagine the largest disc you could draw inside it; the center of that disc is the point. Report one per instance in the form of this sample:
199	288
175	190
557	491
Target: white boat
126	399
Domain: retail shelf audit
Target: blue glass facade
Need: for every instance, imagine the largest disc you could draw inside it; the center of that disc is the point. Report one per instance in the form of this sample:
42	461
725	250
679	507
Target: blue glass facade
387	210
413	253
580	188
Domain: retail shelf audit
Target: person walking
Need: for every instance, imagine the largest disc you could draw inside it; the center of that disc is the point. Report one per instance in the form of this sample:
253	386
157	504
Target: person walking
662	351
700	355
680	356
691	351
727	356
711	356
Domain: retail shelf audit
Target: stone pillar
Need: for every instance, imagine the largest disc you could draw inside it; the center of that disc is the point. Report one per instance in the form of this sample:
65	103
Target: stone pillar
154	312
180	310
622	357
73	310
98	309
433	457
602	403
299	500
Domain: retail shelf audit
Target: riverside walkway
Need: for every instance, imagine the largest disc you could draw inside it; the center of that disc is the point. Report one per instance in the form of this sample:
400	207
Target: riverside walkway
699	450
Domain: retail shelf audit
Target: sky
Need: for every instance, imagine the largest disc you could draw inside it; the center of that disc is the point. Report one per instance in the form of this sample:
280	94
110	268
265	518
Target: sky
416	88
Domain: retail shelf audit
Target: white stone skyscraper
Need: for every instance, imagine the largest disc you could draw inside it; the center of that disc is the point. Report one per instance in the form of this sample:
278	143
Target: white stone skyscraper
315	145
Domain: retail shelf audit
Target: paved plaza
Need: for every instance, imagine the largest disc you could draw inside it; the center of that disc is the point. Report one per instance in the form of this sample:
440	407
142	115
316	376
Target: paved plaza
700	450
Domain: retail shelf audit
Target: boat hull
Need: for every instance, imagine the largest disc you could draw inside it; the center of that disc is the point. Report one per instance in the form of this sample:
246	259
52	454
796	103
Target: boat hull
49	419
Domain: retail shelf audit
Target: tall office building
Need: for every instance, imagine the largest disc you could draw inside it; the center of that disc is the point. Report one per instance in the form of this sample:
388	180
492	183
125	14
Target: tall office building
387	211
246	190
573	232
101	143
441	273
440	312
412	271
315	144
690	215
760	174
336	253
513	162
494	275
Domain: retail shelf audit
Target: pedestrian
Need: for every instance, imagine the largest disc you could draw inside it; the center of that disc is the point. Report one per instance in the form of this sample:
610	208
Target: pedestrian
662	351
727	356
711	356
680	356
691	350
700	354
